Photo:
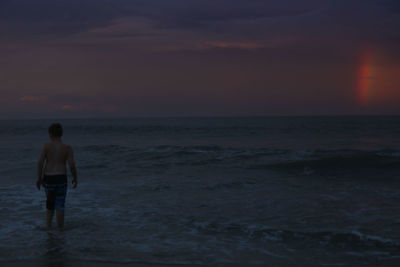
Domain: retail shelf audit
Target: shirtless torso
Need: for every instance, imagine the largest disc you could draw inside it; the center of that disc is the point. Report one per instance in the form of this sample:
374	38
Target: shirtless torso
54	157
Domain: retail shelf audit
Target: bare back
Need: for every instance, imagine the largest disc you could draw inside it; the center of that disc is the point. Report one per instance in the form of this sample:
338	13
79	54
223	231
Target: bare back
56	154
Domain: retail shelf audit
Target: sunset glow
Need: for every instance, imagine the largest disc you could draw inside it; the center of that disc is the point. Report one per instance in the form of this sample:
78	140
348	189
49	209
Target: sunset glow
365	78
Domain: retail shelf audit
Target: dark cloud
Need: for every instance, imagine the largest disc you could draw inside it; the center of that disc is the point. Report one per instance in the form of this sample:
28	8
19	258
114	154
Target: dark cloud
60	17
23	18
364	20
195	13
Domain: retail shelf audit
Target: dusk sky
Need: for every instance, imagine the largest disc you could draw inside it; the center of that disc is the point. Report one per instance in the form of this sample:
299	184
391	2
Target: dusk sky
110	58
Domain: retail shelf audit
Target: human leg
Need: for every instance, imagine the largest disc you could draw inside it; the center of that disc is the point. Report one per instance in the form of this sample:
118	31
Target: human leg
60	219
59	205
49	217
50	205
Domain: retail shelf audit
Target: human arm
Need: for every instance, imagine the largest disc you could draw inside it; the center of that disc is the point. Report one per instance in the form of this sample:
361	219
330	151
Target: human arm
40	165
71	163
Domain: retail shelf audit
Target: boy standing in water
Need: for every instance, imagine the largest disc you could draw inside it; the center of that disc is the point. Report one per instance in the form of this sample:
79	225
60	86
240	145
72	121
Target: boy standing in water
54	156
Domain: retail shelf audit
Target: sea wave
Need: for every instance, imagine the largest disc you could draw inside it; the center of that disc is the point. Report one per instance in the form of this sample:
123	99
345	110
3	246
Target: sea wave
248	158
352	239
336	160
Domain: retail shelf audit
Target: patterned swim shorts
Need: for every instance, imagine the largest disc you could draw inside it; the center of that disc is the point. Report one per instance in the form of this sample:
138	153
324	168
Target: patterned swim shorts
56	190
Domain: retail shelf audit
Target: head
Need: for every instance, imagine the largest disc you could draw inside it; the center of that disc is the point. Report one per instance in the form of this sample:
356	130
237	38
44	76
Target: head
55	130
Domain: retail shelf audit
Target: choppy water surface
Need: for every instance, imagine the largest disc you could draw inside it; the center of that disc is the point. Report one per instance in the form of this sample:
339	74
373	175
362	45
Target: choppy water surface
282	191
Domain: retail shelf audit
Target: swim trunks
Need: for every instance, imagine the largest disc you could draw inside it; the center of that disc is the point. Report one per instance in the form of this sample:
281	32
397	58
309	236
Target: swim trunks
56	190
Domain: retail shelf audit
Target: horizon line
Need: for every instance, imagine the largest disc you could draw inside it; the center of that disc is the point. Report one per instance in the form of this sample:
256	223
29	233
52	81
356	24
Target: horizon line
193	117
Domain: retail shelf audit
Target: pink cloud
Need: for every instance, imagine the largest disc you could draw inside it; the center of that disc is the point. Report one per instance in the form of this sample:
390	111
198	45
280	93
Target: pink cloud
33	99
66	107
239	45
199	45
124	26
91	107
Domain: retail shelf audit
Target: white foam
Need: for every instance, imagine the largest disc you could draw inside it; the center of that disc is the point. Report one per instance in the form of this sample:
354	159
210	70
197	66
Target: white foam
373	237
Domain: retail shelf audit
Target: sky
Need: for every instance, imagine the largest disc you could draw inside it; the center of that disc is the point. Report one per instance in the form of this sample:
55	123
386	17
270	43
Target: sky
127	58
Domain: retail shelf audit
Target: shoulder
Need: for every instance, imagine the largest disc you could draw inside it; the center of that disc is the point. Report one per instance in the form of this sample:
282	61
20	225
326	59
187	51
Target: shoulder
45	149
46	145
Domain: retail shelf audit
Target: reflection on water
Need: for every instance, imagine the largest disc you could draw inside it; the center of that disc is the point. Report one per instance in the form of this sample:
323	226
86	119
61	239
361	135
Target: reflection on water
55	247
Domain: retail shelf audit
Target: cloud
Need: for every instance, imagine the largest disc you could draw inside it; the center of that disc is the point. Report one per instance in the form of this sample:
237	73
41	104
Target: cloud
237	45
66	107
90	107
60	18
56	17
125	27
33	99
180	24
71	103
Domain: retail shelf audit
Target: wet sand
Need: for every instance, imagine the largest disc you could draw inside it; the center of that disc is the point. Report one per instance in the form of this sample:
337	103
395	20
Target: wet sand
108	264
77	264
389	263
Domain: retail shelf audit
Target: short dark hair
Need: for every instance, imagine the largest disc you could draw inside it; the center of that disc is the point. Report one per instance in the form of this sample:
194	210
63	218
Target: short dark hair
56	130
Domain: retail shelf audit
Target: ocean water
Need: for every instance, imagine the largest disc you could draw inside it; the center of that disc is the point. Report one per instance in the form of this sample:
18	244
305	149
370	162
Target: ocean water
282	191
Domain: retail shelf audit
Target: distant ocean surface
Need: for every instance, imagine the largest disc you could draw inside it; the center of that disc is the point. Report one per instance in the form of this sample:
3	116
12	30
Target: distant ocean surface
282	191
